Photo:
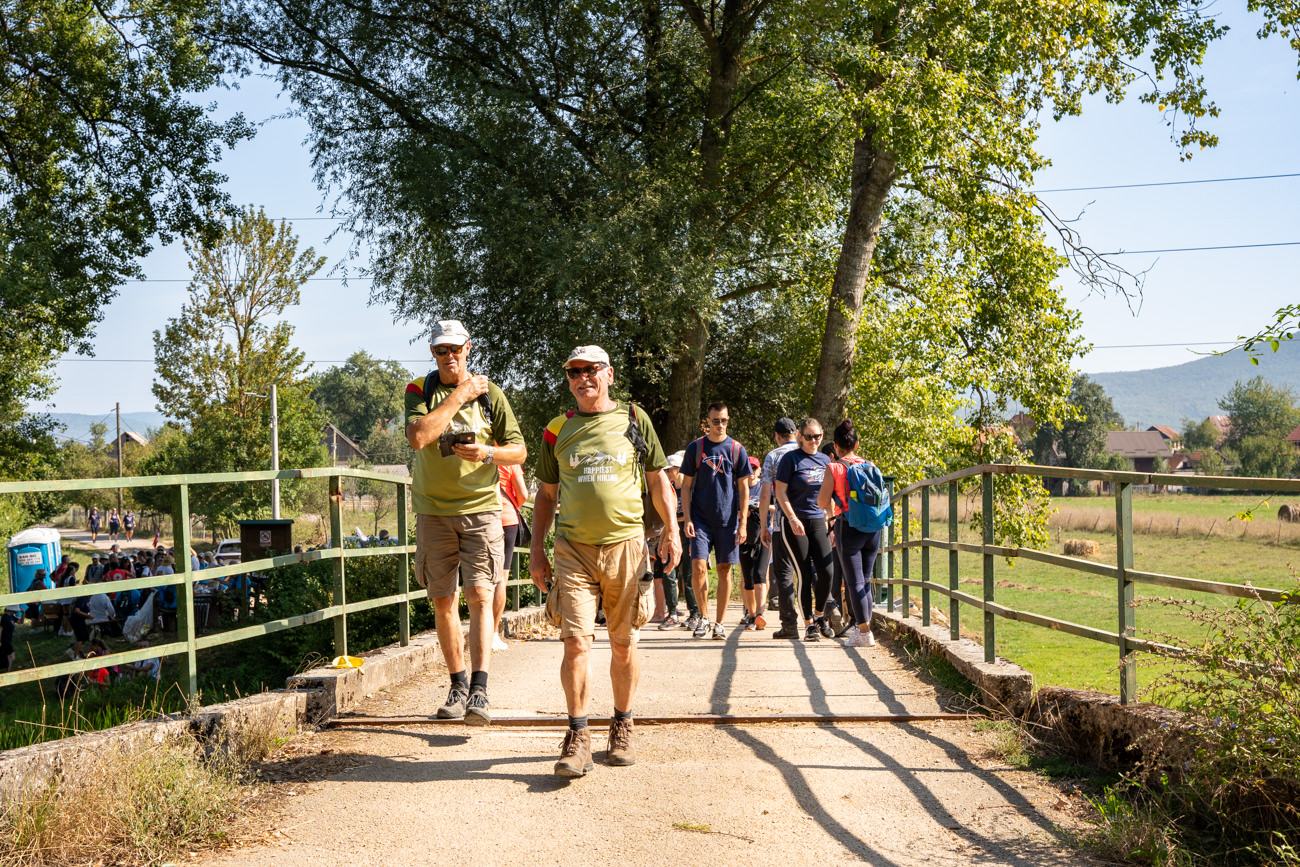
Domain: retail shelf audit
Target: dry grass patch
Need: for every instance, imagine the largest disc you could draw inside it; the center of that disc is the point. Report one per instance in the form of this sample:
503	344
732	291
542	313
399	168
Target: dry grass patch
141	806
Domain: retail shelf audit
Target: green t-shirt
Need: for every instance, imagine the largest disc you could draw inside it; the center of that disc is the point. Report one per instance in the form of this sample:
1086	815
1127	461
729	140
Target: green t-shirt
451	485
596	467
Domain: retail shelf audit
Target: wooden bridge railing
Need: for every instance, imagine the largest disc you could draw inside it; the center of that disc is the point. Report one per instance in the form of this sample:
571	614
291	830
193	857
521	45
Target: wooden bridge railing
188	643
899	541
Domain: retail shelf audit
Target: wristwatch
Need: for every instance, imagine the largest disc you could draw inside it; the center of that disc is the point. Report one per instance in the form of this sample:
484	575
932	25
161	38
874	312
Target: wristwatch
488	459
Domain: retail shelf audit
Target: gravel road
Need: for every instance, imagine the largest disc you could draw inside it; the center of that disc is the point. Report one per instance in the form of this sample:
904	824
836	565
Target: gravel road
886	794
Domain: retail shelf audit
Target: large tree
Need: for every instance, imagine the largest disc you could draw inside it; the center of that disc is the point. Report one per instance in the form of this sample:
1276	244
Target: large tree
215	364
101	152
1260	416
1080	440
360	395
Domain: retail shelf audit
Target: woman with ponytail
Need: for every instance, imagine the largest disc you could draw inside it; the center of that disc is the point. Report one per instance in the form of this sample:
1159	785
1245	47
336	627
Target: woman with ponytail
855	550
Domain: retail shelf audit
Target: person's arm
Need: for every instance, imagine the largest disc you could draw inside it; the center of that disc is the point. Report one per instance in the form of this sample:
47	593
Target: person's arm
665	500
688	527
539	568
427	428
825	495
742	529
764	506
517	483
783	501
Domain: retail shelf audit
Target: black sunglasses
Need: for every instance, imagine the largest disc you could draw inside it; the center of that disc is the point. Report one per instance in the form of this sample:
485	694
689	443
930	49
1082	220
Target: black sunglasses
812	438
440	351
588	371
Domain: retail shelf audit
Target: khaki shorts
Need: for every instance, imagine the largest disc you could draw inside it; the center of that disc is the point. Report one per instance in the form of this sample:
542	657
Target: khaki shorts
611	574
450	545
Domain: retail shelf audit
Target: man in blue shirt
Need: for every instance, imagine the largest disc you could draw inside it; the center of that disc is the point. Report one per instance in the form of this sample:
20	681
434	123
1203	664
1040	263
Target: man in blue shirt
715	481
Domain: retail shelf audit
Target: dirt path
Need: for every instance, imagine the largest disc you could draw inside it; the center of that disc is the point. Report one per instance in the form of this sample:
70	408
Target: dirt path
886	794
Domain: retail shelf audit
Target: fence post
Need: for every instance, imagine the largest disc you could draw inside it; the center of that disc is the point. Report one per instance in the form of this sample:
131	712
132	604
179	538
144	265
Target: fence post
889	560
954	607
925	556
1124	562
990	627
404	573
185	591
514	580
907	552
340	584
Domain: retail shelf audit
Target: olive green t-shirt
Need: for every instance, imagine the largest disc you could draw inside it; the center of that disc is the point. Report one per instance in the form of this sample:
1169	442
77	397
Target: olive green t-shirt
451	485
596	467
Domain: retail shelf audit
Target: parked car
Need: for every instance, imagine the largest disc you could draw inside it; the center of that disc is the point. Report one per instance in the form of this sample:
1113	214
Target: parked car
228	552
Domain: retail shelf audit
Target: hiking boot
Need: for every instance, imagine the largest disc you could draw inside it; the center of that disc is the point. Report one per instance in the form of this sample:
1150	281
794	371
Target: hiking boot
454	707
812	633
575	754
476	708
719	634
824	627
669	622
621	752
786	632
702	628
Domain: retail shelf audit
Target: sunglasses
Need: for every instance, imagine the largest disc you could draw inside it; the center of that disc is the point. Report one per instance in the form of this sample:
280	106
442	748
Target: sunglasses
440	351
812	438
589	371
719	422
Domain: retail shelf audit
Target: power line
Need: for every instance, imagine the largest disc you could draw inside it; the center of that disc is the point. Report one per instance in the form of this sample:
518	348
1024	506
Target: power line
308	360
1199	249
1166	183
1166	345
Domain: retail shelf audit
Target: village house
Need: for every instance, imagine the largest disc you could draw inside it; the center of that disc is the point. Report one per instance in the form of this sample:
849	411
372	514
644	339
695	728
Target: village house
341	448
1142	447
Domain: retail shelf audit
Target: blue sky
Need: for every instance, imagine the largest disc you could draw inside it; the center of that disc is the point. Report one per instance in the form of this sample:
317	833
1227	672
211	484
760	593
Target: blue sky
1190	298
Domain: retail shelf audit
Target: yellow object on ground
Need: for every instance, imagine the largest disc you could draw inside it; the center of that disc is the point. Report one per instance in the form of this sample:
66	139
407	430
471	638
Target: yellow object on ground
347	662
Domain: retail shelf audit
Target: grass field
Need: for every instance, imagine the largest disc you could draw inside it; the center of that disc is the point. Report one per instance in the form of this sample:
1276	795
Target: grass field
1058	659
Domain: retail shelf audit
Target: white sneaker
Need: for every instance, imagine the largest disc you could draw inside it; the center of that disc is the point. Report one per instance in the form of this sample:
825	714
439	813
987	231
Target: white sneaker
497	643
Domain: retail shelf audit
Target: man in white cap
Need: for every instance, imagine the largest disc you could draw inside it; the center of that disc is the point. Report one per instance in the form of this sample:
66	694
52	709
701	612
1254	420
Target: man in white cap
591	466
461	427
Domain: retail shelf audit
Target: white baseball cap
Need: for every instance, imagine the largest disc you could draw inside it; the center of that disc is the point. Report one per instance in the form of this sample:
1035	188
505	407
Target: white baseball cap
588	353
448	332
676	458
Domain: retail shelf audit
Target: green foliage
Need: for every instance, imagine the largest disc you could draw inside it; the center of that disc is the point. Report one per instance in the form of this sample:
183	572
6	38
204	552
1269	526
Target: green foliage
1231	769
362	395
1261	415
103	153
28	452
1081	439
1200	435
216	363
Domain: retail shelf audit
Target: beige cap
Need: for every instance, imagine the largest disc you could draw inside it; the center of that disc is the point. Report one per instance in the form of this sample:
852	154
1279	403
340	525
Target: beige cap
448	332
676	458
588	353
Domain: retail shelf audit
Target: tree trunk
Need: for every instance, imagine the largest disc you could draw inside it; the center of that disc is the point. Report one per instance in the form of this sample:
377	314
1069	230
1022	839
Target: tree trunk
684	387
874	172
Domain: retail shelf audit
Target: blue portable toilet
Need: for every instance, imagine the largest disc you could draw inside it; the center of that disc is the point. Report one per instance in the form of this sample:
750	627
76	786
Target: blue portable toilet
37	548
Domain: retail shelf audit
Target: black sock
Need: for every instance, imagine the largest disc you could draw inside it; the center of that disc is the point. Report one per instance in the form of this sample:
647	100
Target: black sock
458	678
577	723
478	680
622	714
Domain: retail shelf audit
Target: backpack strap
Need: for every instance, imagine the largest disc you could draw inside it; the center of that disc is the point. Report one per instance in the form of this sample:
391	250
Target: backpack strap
699	454
633	434
484	402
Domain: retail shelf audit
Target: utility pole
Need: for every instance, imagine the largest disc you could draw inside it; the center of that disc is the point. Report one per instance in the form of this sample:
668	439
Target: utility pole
275	455
118	407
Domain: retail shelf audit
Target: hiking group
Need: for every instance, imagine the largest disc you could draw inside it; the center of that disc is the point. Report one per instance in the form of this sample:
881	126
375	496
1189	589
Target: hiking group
624	514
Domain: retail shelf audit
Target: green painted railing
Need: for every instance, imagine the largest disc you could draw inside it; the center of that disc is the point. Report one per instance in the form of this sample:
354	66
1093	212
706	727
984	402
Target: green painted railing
899	541
188	643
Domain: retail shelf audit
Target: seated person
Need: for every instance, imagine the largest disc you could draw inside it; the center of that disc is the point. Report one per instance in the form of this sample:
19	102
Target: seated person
145	667
102	613
40	581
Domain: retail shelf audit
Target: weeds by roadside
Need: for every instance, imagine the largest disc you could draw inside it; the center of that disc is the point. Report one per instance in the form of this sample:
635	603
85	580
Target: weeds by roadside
1222	786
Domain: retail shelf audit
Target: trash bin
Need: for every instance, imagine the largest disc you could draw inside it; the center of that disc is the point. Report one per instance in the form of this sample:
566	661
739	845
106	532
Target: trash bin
37	548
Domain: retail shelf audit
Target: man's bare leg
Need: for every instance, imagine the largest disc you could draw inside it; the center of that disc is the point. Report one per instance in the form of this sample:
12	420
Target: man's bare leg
481	626
724	590
624	674
447	622
700	581
575	672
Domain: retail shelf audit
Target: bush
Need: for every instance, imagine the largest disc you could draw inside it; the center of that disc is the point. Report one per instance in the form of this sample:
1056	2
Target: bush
1226	780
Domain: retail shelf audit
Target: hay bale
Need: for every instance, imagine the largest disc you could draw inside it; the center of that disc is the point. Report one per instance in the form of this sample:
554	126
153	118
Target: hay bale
1082	548
1289	513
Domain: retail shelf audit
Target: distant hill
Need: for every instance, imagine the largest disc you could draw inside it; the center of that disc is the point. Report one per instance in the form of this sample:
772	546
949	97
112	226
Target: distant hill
1167	395
77	425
